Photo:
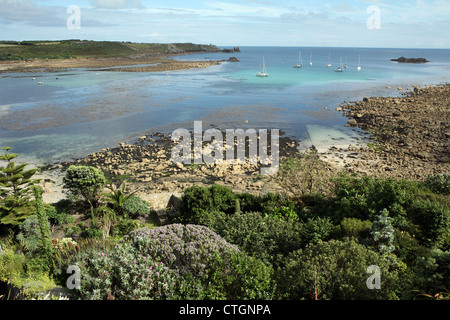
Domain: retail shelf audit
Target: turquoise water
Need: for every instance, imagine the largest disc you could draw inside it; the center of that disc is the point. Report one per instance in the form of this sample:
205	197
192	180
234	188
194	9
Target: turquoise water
76	112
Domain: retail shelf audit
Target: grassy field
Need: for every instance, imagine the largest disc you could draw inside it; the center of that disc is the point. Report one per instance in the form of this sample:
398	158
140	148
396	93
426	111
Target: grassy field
68	49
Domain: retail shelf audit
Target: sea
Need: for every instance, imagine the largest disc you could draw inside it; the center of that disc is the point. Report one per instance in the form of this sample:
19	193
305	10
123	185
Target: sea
49	117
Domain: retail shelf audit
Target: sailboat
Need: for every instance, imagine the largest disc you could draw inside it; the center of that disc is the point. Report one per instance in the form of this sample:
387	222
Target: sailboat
263	73
339	69
300	62
310	60
345	65
329	63
359	63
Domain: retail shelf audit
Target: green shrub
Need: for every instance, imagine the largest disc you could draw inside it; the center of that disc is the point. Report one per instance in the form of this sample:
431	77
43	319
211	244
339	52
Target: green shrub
316	229
199	203
11	265
175	262
382	233
136	207
259	235
432	272
199	200
126	274
85	181
439	183
363	198
124	226
338	269
29	234
432	216
352	228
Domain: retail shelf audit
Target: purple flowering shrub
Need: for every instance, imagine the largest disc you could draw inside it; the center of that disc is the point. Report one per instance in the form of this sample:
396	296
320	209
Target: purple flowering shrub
209	266
175	262
188	248
124	274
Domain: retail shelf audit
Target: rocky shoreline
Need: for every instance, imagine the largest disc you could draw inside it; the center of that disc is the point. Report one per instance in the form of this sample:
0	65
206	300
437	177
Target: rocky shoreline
410	134
409	138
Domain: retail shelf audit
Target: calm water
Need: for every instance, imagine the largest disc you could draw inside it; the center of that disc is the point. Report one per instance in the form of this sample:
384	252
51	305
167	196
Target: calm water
76	112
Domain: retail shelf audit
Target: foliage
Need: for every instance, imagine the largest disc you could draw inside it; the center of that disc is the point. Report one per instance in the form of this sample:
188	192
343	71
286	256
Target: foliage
118	195
439	183
186	247
124	226
238	276
15	181
107	217
29	234
382	233
175	262
316	229
68	253
85	181
11	264
432	215
352	228
198	200
45	247
259	235
305	175
125	274
15	191
338	269
200	204
363	198
432	272
136	207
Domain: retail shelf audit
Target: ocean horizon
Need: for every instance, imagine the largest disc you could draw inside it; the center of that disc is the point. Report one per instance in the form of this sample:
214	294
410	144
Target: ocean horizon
75	112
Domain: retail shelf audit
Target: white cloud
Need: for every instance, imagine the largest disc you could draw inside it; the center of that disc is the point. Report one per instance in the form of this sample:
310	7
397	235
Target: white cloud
116	4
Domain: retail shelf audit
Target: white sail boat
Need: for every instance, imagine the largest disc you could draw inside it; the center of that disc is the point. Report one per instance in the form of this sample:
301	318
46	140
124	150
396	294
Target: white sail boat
300	61
339	69
310	60
359	63
329	61
345	65
263	73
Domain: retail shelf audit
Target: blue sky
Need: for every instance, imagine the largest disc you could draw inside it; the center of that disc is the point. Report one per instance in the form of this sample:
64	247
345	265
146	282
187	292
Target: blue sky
354	23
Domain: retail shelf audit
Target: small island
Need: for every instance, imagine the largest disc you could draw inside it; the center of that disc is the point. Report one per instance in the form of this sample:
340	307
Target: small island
410	60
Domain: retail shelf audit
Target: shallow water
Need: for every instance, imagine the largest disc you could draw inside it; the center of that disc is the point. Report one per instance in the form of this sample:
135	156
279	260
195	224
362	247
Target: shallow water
76	112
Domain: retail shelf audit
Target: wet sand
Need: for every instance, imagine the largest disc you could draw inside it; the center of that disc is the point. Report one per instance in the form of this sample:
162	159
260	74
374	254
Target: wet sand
160	63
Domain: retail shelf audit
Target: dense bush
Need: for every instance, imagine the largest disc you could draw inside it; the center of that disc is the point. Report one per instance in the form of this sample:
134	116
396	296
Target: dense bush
259	235
86	182
175	262
363	198
125	274
352	228
136	207
316	229
200	204
338	269
432	272
199	201
432	215
439	183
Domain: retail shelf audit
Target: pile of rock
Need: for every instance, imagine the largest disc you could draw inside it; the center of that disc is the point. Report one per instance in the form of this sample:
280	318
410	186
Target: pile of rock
410	133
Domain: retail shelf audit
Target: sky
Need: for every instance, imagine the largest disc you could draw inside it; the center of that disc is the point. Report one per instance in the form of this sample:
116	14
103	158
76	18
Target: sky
353	23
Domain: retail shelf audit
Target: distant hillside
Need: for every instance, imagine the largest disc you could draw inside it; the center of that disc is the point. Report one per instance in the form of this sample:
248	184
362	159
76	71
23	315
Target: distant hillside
67	49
